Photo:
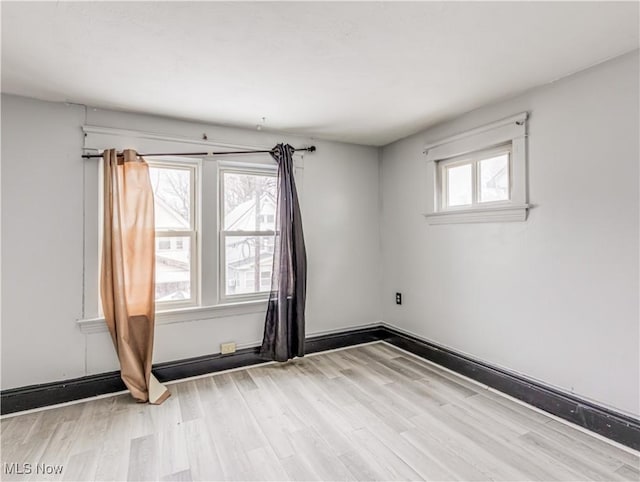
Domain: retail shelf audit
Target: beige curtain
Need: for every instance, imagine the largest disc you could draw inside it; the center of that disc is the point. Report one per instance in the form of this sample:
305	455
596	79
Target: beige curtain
127	281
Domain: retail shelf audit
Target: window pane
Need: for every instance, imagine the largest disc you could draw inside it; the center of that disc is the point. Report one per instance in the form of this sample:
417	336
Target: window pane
172	197
173	268
265	279
494	178
246	256
249	202
459	190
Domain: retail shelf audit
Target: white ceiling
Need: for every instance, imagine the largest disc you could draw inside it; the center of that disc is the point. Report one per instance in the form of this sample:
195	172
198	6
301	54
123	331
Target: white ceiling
360	72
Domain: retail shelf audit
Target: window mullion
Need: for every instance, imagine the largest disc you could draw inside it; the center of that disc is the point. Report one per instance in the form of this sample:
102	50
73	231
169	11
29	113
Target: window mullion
475	183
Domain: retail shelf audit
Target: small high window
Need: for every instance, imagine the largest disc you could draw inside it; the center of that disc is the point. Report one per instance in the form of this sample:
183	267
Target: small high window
479	176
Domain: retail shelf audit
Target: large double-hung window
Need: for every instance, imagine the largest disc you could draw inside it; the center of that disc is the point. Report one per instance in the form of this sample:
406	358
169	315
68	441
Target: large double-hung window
241	247
175	209
215	227
247	219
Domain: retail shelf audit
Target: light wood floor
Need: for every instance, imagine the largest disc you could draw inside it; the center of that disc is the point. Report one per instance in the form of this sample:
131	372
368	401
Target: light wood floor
365	413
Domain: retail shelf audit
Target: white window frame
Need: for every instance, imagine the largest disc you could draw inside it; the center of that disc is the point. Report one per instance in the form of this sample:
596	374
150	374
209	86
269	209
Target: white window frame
193	167
471	147
223	234
473	159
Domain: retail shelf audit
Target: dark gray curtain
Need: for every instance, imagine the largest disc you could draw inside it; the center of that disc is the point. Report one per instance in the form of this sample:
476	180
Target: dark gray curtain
284	325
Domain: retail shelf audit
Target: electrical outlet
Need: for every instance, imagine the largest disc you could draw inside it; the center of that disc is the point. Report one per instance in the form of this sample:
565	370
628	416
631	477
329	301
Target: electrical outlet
226	348
398	298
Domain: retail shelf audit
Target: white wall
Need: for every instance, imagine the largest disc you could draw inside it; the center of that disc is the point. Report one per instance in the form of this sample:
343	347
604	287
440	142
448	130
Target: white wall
42	244
555	297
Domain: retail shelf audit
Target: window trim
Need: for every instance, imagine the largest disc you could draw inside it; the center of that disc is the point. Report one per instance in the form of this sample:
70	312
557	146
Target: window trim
184	315
475	144
237	168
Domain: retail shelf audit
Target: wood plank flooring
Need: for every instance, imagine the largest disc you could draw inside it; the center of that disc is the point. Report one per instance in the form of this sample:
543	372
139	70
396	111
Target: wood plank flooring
371	412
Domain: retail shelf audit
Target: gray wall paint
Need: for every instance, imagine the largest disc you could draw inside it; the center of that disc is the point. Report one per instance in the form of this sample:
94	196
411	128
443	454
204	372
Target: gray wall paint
556	297
42	233
42	245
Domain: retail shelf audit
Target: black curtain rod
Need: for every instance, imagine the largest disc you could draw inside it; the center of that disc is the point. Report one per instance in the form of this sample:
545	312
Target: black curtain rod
226	153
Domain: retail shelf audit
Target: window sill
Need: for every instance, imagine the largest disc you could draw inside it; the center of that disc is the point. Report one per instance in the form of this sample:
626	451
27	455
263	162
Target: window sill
183	315
496	214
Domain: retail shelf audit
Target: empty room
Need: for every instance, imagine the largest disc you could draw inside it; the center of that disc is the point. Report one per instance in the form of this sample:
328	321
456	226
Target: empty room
328	241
